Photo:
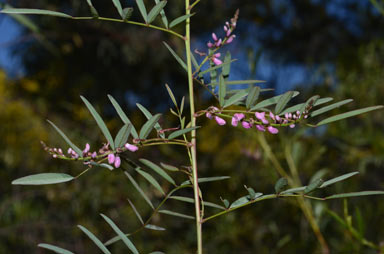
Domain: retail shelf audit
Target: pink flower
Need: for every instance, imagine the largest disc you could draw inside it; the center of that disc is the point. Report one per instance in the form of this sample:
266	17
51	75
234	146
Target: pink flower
220	121
272	130
218	43
264	121
260	115
209	44
236	118
225	28
260	127
216	61
277	118
117	162
271	115
111	158
292	126
246	125
230	39
69	151
217	55
214	37
208	115
86	149
93	155
131	148
228	32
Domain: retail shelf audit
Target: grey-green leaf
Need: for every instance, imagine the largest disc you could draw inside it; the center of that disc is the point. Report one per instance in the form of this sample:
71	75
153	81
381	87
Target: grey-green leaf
135	211
271	101
148	126
208	179
69	142
53	248
252	97
181	132
330	107
148	115
293	190
309	103
93	9
280	185
127	13
156	11
178	59
163	16
299	106
338	179
103	165
283	101
154	227
348	114
176	214
178	20
150	179
313	186
35	11
239	202
99	122
137	187
222	90
192	201
171	95
355	194
118	231
117	4
43	178
169	167
123	116
142	10
226	67
235	98
158	170
215	67
95	240
123	135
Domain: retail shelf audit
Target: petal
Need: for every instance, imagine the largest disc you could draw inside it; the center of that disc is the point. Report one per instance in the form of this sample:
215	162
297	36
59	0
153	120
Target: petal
117	162
131	148
272	130
220	121
111	158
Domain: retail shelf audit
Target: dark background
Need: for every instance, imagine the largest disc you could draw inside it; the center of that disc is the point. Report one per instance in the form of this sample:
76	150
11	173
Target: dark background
331	48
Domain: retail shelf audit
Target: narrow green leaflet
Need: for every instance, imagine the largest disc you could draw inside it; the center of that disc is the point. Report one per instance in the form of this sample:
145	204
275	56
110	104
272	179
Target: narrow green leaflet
226	69
142	10
338	179
117	4
137	187
235	98
178	59
93	9
150	179
208	179
240	82
148	126
54	248
348	114
222	91
34	11
148	115
169	167
135	211
181	132
99	122
271	101
355	194
123	116
299	106
293	190
156	11
280	185
157	252
171	95
215	67
69	142
123	135
163	16
330	107
94	239
252	97
43	178
180	19
283	101
154	227
239	202
103	165
192	201
313	186
194	62
158	170
123	237
127	12
176	214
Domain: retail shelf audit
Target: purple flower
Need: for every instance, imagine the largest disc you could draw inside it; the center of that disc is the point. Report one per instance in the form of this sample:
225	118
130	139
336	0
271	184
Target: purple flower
246	125
216	61
220	121
236	118
208	115
111	158
209	44
260	115
131	148
117	162
272	130
69	151
292	126
93	155
218	43
260	127
214	37
271	115
230	39
277	118
264	121
225	28
228	33
86	149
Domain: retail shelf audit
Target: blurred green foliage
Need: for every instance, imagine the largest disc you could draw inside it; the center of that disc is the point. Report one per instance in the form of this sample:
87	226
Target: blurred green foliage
94	59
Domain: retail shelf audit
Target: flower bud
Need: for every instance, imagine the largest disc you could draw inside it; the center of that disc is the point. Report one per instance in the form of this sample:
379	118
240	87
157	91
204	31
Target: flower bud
272	130
216	61
220	121
214	37
117	162
260	127
131	148
111	158
246	125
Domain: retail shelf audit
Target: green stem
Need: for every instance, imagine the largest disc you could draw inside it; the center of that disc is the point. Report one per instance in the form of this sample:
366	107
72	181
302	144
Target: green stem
133	23
193	133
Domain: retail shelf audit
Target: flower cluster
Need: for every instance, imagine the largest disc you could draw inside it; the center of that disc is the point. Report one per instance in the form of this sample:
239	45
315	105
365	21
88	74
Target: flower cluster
228	38
88	156
262	121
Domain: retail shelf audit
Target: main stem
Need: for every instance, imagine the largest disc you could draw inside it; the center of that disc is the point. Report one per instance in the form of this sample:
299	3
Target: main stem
193	133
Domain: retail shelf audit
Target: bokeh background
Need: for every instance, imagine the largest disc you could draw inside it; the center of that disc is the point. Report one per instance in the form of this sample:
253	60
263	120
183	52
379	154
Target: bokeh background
330	47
